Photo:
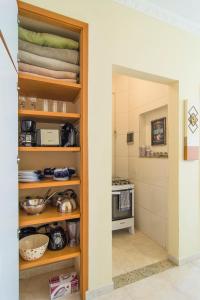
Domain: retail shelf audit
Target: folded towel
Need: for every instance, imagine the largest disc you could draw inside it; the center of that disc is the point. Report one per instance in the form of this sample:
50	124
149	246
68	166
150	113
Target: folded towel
67	55
45	62
47	39
46	72
63	80
124	201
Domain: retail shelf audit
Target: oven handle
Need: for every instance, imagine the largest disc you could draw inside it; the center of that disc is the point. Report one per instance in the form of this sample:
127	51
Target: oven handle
118	193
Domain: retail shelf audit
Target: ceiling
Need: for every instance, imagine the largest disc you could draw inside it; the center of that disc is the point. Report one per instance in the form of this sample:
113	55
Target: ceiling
184	14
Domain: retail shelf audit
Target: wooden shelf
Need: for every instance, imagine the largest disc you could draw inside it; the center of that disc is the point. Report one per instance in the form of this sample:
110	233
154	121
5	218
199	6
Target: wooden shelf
49	149
50	257
47	88
46	116
49	215
48	183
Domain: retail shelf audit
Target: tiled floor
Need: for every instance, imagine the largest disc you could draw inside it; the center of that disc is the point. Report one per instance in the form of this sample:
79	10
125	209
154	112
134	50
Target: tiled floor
131	252
178	283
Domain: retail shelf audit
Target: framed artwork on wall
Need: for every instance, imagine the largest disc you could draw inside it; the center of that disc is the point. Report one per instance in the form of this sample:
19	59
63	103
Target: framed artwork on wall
158	132
191	136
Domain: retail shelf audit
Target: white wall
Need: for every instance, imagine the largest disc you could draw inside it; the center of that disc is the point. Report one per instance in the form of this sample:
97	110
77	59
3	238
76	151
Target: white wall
122	37
133	98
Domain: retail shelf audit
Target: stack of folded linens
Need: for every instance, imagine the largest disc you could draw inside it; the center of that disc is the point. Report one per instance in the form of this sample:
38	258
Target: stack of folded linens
49	55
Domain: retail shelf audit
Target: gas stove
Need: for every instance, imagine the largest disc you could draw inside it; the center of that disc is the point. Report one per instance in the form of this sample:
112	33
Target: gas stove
119	184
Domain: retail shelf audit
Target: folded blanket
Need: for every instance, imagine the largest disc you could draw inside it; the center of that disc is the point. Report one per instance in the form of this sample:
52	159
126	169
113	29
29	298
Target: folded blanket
46	72
67	55
63	80
45	62
47	39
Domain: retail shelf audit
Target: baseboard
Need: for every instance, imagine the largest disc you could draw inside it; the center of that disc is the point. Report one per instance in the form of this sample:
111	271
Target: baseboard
183	260
93	294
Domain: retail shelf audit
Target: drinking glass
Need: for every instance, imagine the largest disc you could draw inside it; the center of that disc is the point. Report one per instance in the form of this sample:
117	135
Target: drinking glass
22	102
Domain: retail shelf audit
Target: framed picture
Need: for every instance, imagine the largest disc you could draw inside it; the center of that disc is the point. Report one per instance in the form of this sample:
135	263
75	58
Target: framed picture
158	132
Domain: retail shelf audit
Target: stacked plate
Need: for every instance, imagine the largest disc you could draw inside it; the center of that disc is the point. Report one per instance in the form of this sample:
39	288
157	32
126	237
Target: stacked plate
29	176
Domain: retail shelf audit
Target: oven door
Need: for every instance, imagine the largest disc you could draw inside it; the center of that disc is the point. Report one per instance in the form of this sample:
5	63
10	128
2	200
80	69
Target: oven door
118	214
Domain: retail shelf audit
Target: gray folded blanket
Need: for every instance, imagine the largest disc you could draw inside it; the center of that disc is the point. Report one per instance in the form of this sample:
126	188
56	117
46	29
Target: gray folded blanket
45	62
63	80
67	55
46	72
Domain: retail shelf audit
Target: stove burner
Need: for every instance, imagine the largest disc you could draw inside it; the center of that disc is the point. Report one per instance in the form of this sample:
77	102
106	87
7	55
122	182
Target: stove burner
120	181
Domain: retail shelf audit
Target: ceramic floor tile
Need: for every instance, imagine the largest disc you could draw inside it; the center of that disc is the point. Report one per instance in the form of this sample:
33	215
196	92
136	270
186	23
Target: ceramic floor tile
131	252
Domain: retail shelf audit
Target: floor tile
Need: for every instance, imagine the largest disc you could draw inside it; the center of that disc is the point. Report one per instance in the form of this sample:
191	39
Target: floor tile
131	252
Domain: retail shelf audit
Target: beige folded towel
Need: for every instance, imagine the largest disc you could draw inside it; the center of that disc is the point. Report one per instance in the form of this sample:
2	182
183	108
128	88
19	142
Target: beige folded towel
63	80
46	72
48	63
67	55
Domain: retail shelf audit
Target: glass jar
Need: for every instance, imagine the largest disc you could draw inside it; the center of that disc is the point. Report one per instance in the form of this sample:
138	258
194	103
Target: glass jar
22	102
32	103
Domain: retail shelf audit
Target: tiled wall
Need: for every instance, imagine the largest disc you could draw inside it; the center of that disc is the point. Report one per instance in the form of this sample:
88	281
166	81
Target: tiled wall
134	97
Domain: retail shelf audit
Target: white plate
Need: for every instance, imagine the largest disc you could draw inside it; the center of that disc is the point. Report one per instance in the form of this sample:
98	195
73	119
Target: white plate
28	180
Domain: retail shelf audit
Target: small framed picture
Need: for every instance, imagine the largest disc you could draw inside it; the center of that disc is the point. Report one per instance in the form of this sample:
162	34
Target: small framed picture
158	132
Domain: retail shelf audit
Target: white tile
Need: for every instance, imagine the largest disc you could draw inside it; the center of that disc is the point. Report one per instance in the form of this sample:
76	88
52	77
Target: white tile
121	146
122	123
121	169
121	102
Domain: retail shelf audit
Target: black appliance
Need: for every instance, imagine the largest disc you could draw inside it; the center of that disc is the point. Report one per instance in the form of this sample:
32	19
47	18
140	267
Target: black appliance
27	135
56	234
69	135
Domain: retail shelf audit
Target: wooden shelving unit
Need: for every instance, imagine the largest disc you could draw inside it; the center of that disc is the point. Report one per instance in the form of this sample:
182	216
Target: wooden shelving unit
41	87
46	116
50	257
48	183
49	149
76	93
49	215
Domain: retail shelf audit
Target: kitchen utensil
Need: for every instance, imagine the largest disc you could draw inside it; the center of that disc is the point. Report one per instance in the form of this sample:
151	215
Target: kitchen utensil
66	205
56	234
49	172
37	205
72	232
69	135
27	231
63	174
33	247
48	137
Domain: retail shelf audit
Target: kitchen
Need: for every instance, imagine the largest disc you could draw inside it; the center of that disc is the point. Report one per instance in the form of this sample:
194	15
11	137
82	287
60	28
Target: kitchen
140	175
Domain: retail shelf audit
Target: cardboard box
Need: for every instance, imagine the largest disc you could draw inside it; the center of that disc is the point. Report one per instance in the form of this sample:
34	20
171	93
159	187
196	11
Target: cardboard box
63	284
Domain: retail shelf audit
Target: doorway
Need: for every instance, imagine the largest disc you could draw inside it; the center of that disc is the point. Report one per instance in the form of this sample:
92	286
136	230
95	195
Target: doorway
142	136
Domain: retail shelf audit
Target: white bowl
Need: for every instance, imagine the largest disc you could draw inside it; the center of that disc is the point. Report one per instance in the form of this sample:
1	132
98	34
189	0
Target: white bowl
33	247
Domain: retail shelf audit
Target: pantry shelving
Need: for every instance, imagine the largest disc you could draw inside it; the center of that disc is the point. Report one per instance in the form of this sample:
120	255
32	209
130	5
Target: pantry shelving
48	216
40	87
46	88
50	257
46	183
49	149
46	116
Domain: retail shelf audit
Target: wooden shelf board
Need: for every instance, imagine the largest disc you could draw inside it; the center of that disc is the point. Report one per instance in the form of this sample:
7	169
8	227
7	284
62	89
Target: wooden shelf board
49	215
46	116
50	257
48	183
47	88
49	149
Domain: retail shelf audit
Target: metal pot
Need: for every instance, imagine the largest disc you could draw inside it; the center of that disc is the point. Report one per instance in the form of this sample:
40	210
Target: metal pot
34	206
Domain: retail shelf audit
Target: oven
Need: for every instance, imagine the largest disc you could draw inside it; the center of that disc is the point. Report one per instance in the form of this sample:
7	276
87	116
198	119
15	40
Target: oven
117	212
122	204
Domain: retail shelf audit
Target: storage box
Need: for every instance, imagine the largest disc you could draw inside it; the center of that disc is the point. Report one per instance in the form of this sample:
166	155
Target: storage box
63	284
